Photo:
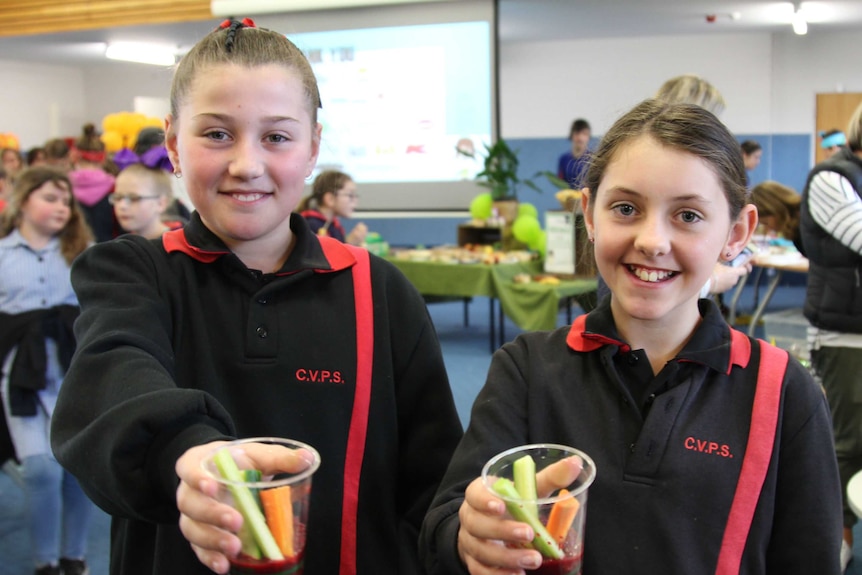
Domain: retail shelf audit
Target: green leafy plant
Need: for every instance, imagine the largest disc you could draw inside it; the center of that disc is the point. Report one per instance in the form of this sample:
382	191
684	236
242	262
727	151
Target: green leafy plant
500	173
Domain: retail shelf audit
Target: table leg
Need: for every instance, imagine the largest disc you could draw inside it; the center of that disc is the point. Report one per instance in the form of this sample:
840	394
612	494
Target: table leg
493	328
761	307
502	319
737	293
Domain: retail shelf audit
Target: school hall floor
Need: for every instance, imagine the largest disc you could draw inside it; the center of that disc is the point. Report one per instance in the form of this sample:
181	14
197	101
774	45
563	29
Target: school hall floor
465	351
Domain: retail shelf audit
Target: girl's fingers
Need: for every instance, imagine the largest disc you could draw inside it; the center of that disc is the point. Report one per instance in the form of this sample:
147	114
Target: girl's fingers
558	475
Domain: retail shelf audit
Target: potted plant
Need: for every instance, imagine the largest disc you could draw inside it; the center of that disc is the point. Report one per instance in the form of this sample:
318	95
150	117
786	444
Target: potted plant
500	176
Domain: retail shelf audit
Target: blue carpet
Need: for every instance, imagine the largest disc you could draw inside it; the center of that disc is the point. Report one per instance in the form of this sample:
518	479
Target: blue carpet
467	357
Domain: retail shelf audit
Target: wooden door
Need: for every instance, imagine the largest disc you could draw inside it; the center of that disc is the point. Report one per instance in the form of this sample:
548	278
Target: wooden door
833	113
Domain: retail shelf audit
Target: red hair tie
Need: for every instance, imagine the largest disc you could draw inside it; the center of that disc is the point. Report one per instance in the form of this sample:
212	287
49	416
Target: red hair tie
247	22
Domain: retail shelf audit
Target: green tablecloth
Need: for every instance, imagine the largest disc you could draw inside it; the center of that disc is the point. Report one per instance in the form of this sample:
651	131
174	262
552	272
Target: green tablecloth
531	306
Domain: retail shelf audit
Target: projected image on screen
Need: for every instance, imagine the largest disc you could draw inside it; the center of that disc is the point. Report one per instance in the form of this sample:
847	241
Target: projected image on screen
398	102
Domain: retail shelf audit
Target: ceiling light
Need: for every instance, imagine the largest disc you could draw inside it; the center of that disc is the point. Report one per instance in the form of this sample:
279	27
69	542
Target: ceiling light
155	54
800	25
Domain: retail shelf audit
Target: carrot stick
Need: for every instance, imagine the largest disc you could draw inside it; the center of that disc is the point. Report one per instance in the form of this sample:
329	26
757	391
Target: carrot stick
278	509
562	515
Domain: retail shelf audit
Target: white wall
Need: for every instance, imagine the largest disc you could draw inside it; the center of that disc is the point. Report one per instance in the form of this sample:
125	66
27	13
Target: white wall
769	82
39	102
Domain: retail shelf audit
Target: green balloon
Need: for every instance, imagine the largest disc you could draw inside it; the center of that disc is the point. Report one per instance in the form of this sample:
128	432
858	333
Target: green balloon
539	243
481	206
525	229
528	209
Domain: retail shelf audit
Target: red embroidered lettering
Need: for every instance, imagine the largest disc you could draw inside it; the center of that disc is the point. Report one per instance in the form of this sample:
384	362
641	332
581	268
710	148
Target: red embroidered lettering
319	375
708	447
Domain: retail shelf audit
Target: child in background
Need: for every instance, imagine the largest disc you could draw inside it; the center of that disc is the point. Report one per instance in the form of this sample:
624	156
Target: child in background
572	166
778	208
656	388
333	194
57	154
91	183
12	162
244	323
4	188
141	195
42	231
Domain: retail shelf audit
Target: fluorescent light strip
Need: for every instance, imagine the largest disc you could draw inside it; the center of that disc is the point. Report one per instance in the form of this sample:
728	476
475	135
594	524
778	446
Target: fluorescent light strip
141	53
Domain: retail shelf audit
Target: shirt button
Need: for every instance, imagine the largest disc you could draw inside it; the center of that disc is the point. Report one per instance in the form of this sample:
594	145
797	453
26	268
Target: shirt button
632	447
41	280
262	301
261	331
41	259
633	359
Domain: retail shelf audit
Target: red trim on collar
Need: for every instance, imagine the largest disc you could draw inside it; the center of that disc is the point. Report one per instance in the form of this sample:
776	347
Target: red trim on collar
579	339
175	241
740	349
337	254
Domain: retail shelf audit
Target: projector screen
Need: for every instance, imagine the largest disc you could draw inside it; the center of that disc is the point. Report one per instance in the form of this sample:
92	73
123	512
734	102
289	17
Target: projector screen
399	101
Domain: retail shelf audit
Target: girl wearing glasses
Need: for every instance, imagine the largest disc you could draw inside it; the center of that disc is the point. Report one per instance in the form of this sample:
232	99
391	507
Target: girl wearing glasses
141	196
333	194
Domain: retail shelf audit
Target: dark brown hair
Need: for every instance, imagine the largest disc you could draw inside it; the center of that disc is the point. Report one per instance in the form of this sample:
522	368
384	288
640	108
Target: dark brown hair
327	182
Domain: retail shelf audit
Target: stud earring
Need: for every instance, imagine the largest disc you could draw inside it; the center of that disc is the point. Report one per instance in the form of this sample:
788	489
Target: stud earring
178	174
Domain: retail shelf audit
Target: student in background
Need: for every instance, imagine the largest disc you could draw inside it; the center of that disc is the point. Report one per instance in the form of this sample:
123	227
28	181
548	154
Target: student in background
692	89
4	188
752	152
572	165
244	323
832	141
91	183
640	381
42	231
778	210
141	195
832	235
333	196
35	157
13	162
151	151
57	153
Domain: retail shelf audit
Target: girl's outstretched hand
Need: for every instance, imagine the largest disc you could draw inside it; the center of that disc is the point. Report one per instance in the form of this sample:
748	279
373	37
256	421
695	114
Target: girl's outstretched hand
488	539
210	525
485	531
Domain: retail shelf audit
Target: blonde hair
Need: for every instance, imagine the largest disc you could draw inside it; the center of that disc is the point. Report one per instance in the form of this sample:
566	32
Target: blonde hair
245	46
854	130
159	178
691	89
75	236
781	202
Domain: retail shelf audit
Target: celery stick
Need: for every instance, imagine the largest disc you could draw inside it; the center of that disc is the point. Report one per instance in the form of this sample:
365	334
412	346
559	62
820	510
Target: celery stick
524	471
542	540
246	505
249	546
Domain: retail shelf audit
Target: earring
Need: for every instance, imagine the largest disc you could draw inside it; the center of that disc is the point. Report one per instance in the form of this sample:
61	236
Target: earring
728	255
178	174
592	239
